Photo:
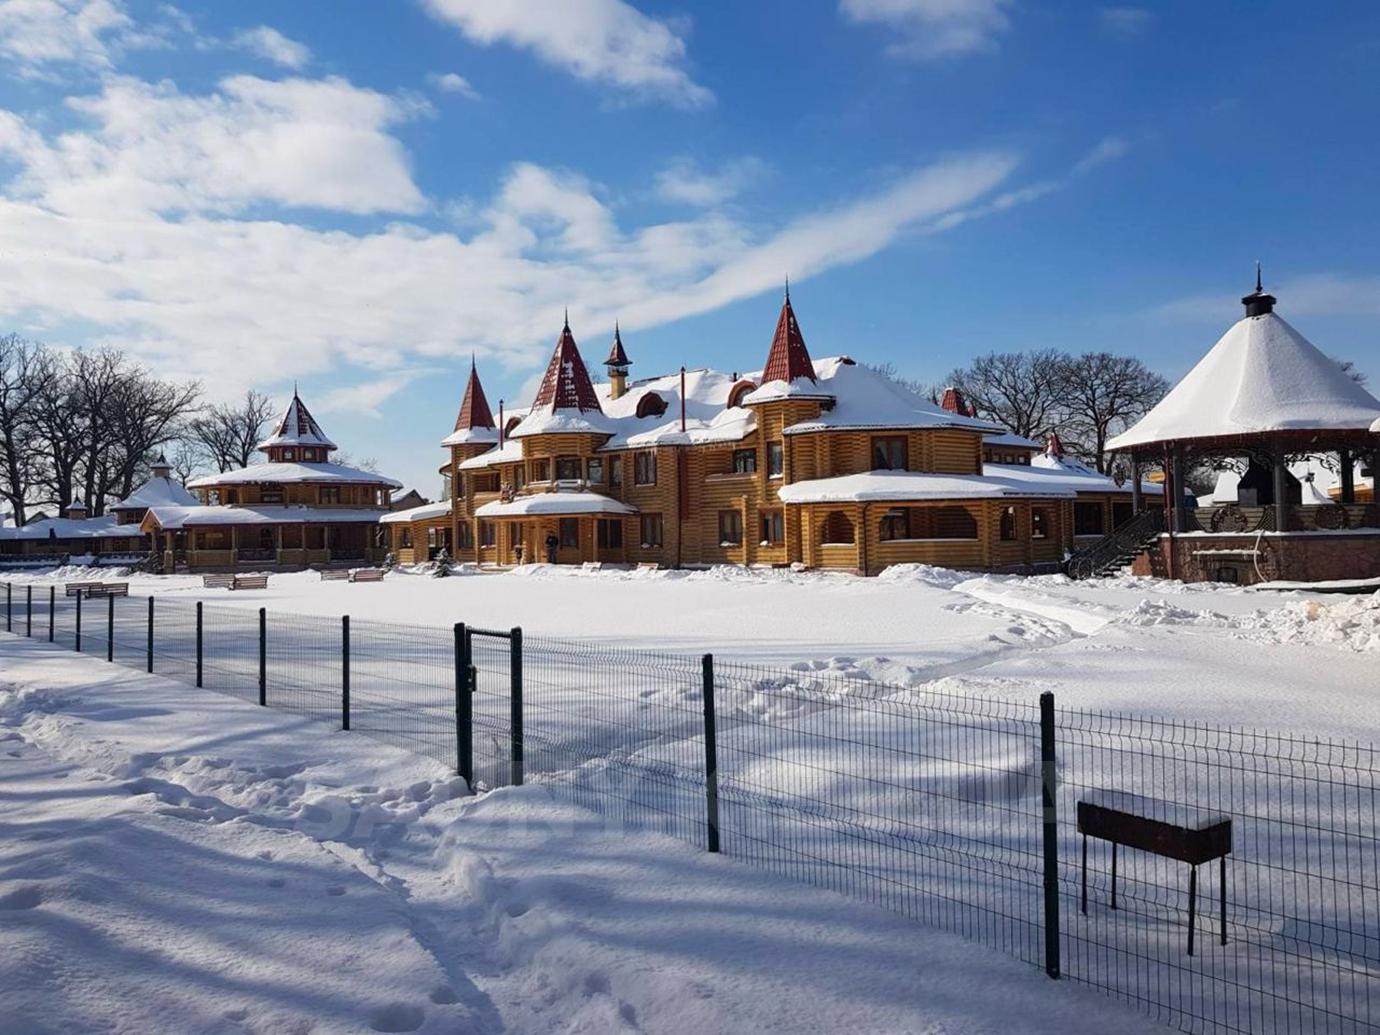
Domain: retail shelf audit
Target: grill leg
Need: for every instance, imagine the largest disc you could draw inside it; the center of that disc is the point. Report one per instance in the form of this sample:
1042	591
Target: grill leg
1113	874
1192	904
1223	883
1085	874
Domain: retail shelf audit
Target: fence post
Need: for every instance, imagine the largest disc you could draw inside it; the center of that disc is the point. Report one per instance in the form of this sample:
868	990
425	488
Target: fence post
464	707
1051	833
344	672
110	628
52	611
77	645
711	755
9	602
515	678
148	647
29	609
198	643
263	657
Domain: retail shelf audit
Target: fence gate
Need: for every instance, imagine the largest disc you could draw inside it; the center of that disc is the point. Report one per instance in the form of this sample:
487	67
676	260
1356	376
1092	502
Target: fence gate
488	706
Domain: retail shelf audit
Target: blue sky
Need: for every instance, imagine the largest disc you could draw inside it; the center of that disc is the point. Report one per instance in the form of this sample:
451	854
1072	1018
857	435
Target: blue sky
360	196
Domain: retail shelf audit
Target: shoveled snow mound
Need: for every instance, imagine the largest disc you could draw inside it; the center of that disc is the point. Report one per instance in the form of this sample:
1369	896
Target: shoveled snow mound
925	574
1352	623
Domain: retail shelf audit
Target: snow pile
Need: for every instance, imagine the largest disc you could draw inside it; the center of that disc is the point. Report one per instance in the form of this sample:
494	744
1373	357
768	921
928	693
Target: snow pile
1352	623
925	574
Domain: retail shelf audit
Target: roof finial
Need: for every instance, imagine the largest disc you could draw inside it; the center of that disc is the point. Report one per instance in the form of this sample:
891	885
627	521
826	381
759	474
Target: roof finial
567	318
472	362
788	289
1258	303
1258	288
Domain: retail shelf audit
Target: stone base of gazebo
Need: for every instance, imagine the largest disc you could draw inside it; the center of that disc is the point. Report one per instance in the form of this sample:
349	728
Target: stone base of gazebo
1247	558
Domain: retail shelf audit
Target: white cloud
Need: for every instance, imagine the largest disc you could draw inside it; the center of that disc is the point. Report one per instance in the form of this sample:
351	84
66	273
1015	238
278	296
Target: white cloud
454	82
685	182
271	45
1309	294
1108	149
365	398
603	41
36	35
927	29
317	143
1125	21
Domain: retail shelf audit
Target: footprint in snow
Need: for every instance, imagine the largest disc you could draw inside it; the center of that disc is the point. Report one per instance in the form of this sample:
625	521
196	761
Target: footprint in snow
276	882
443	995
336	890
396	1017
30	897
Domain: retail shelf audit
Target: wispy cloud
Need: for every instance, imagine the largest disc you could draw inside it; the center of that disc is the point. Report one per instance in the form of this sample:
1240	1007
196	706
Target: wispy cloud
271	45
602	41
1126	21
928	29
453	82
1108	149
684	181
365	398
44	38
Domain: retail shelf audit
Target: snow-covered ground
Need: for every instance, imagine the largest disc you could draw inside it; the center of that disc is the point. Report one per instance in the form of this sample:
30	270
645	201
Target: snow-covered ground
177	860
668	938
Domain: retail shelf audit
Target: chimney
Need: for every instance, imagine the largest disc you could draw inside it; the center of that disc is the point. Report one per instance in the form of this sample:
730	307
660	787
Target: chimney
955	402
75	510
682	399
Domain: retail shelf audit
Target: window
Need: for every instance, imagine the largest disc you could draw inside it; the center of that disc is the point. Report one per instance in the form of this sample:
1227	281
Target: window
1039	523
644	468
289	454
616	471
213	498
1087	518
610	534
651	530
570	533
407	537
730	527
1008	524
889	453
836	529
519	476
487	533
330	494
445	486
466	537
596	472
541	470
568	468
651	405
896	524
776	459
744	461
736	393
940	523
773	527
232	496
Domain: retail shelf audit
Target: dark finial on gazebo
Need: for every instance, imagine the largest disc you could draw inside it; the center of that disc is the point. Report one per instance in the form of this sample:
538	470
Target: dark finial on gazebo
1258	302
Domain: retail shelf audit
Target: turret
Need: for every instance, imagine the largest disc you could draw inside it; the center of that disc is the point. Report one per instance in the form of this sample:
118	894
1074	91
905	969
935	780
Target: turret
1258	302
617	365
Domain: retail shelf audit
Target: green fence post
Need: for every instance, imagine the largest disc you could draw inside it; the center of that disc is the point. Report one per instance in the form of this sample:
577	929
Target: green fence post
344	672
263	657
711	754
515	682
1049	787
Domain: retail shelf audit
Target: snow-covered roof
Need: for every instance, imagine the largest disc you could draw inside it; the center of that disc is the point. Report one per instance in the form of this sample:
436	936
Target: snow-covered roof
185	517
157	491
508	453
1262	375
707	415
290	473
551	503
465	436
864	398
104	527
872	486
1063	472
1010	440
297	428
422	513
552	420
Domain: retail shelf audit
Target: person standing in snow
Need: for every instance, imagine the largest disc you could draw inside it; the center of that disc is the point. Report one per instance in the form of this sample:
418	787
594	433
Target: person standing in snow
551	544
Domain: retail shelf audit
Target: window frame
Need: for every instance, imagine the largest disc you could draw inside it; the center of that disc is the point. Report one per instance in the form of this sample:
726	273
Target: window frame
887	529
776	459
609	533
328	494
644	463
745	460
572	526
1087	507
566	464
595	464
1008	525
488	533
653	522
1039	523
772	524
886	444
735	523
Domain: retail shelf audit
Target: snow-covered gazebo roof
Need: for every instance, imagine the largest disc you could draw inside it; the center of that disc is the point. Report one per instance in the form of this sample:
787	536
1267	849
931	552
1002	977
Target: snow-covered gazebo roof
1262	376
297	428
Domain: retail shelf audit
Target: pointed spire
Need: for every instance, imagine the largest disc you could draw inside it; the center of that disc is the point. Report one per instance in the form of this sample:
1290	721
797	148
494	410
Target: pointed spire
567	318
1258	303
474	408
788	288
297	428
788	358
566	385
618	357
1053	447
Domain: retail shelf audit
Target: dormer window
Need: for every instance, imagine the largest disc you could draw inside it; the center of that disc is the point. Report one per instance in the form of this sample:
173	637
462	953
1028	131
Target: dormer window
651	405
737	392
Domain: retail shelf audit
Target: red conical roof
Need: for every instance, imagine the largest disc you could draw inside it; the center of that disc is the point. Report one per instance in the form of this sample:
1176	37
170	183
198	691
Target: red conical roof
788	358
1053	447
474	409
956	402
566	385
617	357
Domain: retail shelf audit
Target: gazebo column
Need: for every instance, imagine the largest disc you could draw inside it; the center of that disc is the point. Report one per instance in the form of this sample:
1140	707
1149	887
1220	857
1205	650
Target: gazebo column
1281	479
1176	486
1344	460
1137	497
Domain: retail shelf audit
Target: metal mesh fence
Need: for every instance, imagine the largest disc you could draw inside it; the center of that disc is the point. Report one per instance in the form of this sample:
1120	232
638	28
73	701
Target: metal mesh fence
923	803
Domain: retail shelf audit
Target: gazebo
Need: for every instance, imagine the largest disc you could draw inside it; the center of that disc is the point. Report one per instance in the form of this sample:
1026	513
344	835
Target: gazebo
1263	396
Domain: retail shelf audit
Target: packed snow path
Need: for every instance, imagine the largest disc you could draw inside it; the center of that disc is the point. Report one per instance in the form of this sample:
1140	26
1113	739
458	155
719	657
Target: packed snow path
176	860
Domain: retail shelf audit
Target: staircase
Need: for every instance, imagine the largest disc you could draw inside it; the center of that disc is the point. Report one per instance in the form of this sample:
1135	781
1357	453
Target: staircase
1116	550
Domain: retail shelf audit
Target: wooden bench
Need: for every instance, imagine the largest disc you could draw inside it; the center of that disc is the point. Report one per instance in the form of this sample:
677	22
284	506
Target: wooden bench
335	574
648	566
1190	835
249	582
217	582
84	588
367	575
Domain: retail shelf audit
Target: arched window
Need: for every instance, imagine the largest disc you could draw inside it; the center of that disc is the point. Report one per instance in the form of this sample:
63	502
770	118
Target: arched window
512	423
651	405
736	393
837	528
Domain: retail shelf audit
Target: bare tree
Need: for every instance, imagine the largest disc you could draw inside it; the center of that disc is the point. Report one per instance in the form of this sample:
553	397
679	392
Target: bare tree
27	372
1104	394
145	414
1020	390
228	434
